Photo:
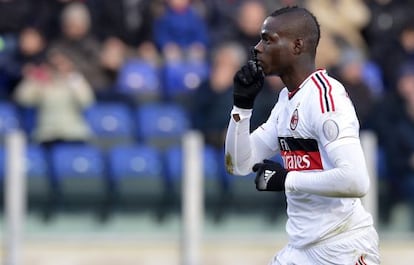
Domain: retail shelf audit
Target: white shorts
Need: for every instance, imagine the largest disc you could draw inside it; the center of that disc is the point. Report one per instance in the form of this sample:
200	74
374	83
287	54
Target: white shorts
358	248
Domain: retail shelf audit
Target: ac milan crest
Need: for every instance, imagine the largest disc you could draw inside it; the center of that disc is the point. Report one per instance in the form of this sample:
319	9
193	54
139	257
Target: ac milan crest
294	120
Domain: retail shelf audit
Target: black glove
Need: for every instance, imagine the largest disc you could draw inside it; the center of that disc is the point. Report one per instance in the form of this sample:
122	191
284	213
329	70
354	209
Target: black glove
248	82
270	176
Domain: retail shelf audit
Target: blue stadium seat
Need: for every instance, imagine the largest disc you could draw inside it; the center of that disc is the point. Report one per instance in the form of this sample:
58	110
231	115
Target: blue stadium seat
174	165
79	171
139	79
37	181
160	124
182	77
214	189
137	172
36	165
36	161
111	123
9	118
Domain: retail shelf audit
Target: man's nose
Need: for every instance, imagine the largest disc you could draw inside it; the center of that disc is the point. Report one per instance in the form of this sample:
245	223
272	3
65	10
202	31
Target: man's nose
257	48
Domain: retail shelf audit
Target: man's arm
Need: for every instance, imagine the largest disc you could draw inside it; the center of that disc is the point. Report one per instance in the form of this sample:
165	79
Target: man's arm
243	149
348	178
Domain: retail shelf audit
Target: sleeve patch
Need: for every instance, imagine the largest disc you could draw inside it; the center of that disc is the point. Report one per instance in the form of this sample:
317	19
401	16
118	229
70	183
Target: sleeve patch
330	130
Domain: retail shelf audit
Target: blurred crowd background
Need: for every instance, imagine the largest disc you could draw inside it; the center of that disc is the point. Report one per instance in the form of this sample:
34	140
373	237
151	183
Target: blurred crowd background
105	89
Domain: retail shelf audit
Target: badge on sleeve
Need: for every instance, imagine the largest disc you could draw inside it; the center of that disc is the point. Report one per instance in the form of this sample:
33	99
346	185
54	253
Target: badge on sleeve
330	130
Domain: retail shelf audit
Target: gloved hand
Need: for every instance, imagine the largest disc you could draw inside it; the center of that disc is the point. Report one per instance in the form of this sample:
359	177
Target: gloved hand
248	82
270	176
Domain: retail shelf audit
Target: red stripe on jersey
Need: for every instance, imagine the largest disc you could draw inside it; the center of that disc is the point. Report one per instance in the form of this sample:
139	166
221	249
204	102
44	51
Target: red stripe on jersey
330	91
301	160
361	261
320	93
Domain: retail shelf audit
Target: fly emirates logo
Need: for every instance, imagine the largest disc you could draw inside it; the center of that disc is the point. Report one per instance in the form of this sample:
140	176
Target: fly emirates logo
300	154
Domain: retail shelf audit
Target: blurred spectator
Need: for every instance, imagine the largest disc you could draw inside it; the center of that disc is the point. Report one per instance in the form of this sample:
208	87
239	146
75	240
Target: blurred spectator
80	45
350	71
29	48
224	17
126	25
59	93
276	4
265	101
180	32
398	52
387	18
328	53
221	19
32	46
44	15
112	56
13	15
393	122
344	19
250	17
214	98
128	20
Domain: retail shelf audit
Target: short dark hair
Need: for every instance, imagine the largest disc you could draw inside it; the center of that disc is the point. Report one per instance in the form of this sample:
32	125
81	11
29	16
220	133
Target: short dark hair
312	28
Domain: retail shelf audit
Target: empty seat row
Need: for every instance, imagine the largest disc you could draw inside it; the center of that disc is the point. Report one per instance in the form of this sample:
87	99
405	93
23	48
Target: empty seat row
115	123
144	81
84	172
88	161
131	177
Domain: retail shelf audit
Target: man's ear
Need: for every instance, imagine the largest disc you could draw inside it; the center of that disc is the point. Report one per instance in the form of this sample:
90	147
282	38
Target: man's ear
297	46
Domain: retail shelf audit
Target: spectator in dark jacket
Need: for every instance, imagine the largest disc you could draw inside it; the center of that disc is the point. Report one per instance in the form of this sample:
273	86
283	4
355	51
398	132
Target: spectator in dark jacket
214	98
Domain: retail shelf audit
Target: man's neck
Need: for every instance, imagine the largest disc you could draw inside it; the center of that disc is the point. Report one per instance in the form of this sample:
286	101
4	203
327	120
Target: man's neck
295	78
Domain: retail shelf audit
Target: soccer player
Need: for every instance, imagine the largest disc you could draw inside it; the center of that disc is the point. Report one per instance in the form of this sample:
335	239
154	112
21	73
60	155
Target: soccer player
314	127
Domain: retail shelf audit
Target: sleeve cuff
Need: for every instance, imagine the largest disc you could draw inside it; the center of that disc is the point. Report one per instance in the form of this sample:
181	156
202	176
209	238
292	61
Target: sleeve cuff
243	113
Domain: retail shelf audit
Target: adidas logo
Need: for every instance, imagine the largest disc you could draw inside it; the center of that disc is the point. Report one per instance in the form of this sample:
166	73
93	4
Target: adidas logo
268	174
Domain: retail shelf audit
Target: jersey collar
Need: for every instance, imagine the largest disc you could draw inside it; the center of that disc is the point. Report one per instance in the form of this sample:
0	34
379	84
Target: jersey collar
292	93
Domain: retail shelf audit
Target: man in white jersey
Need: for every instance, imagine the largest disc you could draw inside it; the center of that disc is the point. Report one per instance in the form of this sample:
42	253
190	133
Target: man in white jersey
314	127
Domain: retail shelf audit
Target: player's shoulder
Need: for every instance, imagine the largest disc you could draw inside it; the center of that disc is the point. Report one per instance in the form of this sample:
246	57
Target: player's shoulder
327	92
283	94
322	83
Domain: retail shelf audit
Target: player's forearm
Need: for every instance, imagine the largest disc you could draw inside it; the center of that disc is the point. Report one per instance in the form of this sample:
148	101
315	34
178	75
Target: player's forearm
243	149
349	177
237	147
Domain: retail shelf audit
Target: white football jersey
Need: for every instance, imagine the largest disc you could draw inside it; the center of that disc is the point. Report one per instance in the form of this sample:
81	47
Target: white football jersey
301	125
